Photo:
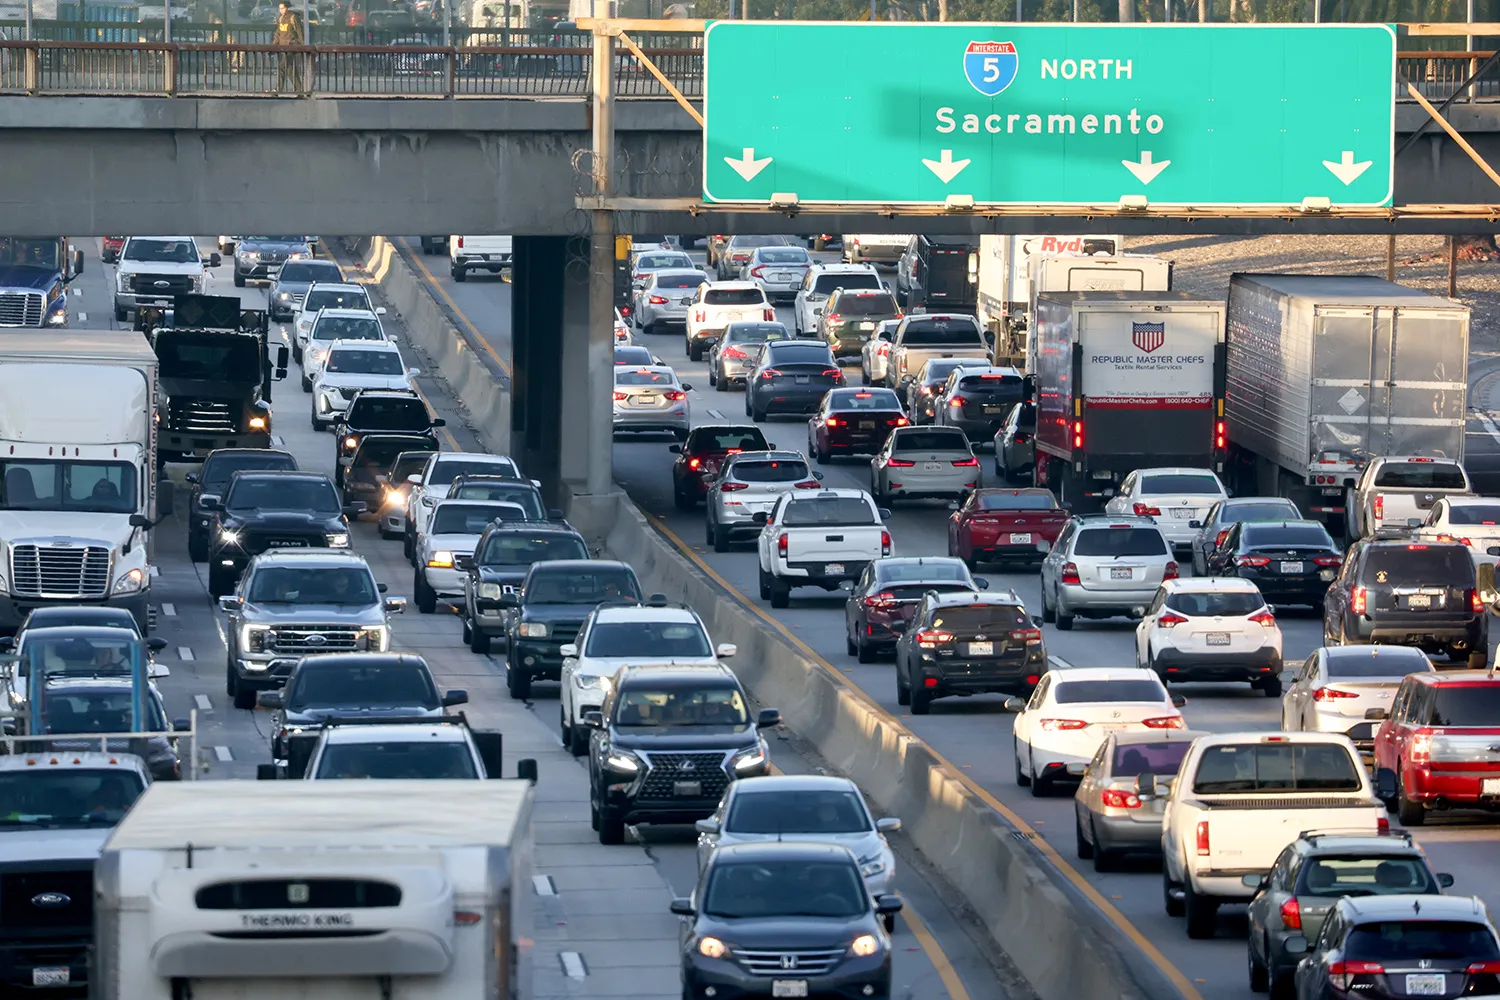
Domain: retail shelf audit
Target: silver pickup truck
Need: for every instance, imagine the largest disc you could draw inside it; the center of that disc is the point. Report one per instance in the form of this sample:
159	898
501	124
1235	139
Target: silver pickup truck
924	337
1392	491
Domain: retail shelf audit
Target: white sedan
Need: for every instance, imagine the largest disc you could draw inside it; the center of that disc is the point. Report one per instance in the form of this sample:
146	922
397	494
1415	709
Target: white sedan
1071	712
1469	521
1174	498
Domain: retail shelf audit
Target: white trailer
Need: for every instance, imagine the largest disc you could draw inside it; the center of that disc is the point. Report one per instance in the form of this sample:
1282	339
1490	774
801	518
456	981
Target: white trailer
1004	280
334	890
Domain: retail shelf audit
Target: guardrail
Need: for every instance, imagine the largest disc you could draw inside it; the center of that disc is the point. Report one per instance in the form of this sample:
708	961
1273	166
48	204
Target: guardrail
1438	74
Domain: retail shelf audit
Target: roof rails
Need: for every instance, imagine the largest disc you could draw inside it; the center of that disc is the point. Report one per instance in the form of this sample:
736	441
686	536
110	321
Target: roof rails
458	719
1396	533
540	522
1363	834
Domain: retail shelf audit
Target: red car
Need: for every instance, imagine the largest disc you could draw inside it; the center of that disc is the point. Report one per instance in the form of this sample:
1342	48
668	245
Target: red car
111	249
997	524
702	454
853	422
1440	742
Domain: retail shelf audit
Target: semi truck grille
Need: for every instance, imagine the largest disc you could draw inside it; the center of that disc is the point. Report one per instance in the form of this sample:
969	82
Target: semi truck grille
669	768
785	964
307	640
201	416
59	571
21	308
162	284
67	898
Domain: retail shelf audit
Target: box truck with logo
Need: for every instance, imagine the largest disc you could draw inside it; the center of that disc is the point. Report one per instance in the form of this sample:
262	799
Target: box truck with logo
1125	380
1003	282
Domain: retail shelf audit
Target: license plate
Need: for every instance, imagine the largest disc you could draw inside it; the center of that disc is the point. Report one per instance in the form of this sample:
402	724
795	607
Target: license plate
1182	513
801	379
789	987
1426	985
1121	574
993	409
1016	539
1489	786
1218	638
56	977
867	326
834	569
779	276
687	789
1419	601
932	466
867	425
1291	567
646	400
981	649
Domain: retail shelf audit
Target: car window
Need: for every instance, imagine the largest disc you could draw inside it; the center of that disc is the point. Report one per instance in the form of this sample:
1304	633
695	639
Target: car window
162	251
653	640
1378	661
1120	542
797	354
1421	476
1017	501
930	440
1180	483
582	586
681	706
841	511
325	298
784	255
1276	535
770	471
761	889
352	361
681	280
388	414
820	812
1424	563
1134	759
362	684
400	759
866	304
986	618
996	388
377	453
1231	513
735	439
308	271
352	586
827	284
1486	514
938	371
646	377
651	261
1264	767
878	399
347	328
309	495
1402	941
522	495
471	519
734	297
921	572
511	549
952	330
445	470
1083	692
1354	875
750	242
1204	605
218	469
1459	705
52	797
756	333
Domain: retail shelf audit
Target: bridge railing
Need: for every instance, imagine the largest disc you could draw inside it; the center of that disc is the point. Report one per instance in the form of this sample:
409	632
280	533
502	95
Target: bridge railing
1438	74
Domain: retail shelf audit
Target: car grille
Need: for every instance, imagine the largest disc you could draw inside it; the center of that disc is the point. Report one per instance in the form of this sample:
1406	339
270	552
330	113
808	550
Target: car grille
21	308
59	571
463	562
255	543
667	769
151	284
563	631
20	890
303	640
200	416
791	962
349	391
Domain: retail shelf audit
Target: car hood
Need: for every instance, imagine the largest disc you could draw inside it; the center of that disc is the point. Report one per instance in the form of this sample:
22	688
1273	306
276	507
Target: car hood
160	267
357	380
607	665
80	527
677	739
863	845
556	612
503	574
23	276
273	612
286	520
786	933
316	716
452	543
23	843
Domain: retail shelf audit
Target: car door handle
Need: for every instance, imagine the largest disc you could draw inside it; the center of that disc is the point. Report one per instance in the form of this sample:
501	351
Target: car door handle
833	538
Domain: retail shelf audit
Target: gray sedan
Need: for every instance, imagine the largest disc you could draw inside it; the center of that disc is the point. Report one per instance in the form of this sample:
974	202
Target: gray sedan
1117	812
924	462
735	355
778	270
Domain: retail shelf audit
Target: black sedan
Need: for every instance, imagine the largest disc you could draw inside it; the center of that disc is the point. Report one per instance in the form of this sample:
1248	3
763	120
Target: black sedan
792	377
1292	562
854	422
796	914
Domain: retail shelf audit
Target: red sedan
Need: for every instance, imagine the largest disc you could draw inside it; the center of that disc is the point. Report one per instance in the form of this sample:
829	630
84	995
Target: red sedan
700	457
854	422
996	524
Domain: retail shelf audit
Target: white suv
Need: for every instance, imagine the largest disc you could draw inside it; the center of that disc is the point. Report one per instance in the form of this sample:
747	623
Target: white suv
326	295
627	634
353	365
331	325
447	547
1102	566
1174	498
431	485
1211	629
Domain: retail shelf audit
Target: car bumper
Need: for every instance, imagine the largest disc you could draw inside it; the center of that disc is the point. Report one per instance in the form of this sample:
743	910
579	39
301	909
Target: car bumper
261	269
888	255
1438	784
674	419
1226	885
446	581
490	620
780	289
264	672
331	406
740	520
199	445
1176	531
848	347
734	371
663	314
951	482
1419	630
393	518
1126	833
541	659
13	609
791	400
492	261
981	677
1000	547
20	964
817	575
135	300
1087	601
849	979
1178	665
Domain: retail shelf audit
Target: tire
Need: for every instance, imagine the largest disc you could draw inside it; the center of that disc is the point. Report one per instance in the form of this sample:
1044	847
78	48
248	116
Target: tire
781	594
408	546
1064	622
1408	812
121	315
822	454
1270	687
424	595
903	689
1040	788
1260	977
517	681
1283	988
306	384
231	680
219	584
459	273
721	538
296	351
1022	778
1174	907
1200	565
578	741
694	351
1084	849
849	646
239	279
1049	616
197	548
1202	913
757	414
864	652
317	427
921	701
243	695
683	501
611	827
765	585
479	640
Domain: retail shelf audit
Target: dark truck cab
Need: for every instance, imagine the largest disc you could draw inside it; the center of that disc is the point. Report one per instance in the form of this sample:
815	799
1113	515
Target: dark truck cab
380	411
939	273
34	275
216	375
264	511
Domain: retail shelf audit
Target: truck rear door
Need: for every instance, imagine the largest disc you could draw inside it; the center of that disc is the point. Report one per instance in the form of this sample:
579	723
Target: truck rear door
828	528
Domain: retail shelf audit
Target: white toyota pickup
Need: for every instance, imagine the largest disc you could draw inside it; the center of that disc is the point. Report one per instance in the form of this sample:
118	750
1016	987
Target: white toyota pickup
1392	491
1240	798
819	540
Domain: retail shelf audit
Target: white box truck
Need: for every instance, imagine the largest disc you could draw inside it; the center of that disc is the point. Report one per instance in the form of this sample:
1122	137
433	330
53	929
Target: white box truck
78	471
1329	372
1097	273
1004	281
340	890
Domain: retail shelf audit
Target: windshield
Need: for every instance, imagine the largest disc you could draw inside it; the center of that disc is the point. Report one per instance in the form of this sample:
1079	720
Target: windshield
1116	542
314	496
880	304
819	812
1175	483
683	706
1276	536
840	511
16	252
1485	514
352	361
1135	759
980	618
522	550
957	330
199	356
273	239
162	251
922	571
1083	692
218	469
632	356
77	656
788	255
65	615
996	388
827	284
1459	705
323	298
403	759
389	414
305	272
649	640
36	484
358	685
582	586
1381	875
778	471
734	297
657	261
1412	564
878	399
937	440
664	380
681	280
1271	511
1377	661
1233	602
1270	767
751	242
445	470
1421	476
522	495
798	888
75	797
313	585
101	710
347	328
755	333
469	518
411	463
1396	942
1015	500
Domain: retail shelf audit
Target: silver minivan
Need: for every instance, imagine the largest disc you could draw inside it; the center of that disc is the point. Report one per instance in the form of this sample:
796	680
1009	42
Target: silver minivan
749	483
1104	566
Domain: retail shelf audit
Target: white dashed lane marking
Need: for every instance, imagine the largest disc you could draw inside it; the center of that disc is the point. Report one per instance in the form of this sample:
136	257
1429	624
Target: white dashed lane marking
204	705
223	754
170	610
572	964
544	885
184	653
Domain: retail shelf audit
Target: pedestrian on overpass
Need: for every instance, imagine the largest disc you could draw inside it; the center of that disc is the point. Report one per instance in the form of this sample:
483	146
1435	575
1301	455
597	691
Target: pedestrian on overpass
289	65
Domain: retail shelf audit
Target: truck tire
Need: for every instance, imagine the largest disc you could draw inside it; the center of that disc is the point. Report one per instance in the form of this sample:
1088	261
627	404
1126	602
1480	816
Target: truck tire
517	680
197	548
611	826
239	279
781	594
765	585
1202	913
424	595
1049	616
459	273
219	583
1408	812
479	640
1172	904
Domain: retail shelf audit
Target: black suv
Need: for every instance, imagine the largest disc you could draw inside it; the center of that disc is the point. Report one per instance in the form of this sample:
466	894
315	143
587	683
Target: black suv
264	511
353	685
503	556
1407	593
967	643
669	741
700	456
550	608
213	478
369	474
379	411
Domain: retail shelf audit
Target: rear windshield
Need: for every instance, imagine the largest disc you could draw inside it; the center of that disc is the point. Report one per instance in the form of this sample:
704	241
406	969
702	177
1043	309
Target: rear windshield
1206	605
665	380
681	280
1276	536
1377	661
389	414
582	586
1474	514
649	640
1009	388
745	439
830	511
986	618
1412	564
756	333
1281	511
353	361
410	462
1026	415
1082	692
1396	941
927	569
444	471
878	399
1381	875
1421	476
1017	501
751	242
1464	705
953	440
656	261
377	453
798	354
916	592
1268	767
470	519
777	471
448	760
788	255
309	271
827	284
632	356
867	305
362	685
218	469
523	495
522	550
812	811
1119	542
1136	759
734	297
1179	483
938	371
942	331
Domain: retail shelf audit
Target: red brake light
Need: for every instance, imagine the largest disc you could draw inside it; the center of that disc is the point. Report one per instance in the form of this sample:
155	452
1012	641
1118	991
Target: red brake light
732	487
1482	967
1115	798
1203	838
1145	510
758	270
734	352
901	421
695	463
1165	722
956	401
1330	694
1419	749
884	599
1341	974
1219	435
897	463
1291	915
657	300
620	395
885	543
809	484
833	318
1070	573
1361	600
700	314
929	638
1251	561
834	373
1264	618
781	544
1054	725
1170	619
1078	434
831	422
1328	561
1170	573
770	373
770	314
1026	635
966	463
460	242
1379	505
1219	539
1022	438
1419	459
675	395
1475	604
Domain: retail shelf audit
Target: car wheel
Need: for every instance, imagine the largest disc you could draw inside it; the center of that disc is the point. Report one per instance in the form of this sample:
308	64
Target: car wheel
408	546
1083	848
466	633
1408	812
1270	687
459	274
121	315
694	351
1048	614
239	279
611	826
903	689
683	501
822	454
219	582
593	811
1260	979
1103	860
921	701
765	585
479	640
849	647
425	596
197	548
578	741
1064	622
306	384
1202	913
1041	786
781	594
517	680
757	413
231	680
721	538
864	652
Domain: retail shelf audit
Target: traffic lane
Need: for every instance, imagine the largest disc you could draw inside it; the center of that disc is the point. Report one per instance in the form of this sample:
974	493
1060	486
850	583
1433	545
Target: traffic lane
480	304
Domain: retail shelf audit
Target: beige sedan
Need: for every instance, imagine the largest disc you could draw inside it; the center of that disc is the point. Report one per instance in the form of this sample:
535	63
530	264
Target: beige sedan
1115	813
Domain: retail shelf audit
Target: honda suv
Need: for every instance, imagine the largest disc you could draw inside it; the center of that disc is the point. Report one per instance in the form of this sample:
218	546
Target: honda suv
964	644
1104	565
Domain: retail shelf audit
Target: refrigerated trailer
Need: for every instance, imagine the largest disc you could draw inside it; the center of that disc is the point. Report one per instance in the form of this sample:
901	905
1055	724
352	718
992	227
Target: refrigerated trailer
1004	282
1327	372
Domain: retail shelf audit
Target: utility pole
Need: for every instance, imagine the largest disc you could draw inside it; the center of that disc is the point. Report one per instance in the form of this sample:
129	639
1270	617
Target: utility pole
602	272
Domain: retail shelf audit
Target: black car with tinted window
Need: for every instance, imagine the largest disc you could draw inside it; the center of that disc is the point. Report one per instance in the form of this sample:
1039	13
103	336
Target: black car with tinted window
503	556
213	479
702	454
924	389
369	476
550	608
978	400
380	411
1291	562
668	741
966	644
851	316
853	422
262	257
267	511
1213	530
792	377
1405	593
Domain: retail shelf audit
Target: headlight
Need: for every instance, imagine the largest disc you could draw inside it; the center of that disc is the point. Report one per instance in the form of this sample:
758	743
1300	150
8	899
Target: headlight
249	255
377	638
253	638
870	867
865	945
394	497
534	630
57	317
712	947
338	539
296	256
489	591
622	760
746	759
122	281
591	682
228	536
441	560
284	296
257	423
130	582
350	443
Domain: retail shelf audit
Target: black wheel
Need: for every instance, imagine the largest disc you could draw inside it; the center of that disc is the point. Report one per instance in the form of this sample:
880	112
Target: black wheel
306	384
517	680
1271	687
479	640
1041	787
694	351
408	546
242	694
757	414
683	501
465	632
1202	913
921	701
231	680
849	647
121	315
1408	812
1085	849
1064	622
765	585
239	279
821	453
197	548
1172	903
296	352
424	595
1260	978
903	689
220	583
611	826
781	594
864	652
721	538
1048	614
459	274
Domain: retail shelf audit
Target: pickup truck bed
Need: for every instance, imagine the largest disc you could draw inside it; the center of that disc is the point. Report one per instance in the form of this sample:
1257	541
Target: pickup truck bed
819	540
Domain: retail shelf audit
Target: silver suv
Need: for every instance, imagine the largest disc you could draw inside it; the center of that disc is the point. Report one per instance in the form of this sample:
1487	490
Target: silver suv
292	604
665	297
749	484
1103	566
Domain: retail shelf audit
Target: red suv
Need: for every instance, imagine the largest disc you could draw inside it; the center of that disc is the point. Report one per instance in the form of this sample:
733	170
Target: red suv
1440	743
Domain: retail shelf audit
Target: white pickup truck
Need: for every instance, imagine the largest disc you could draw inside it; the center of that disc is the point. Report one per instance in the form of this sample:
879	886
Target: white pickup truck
1240	798
819	540
719	303
474	253
860	248
1394	490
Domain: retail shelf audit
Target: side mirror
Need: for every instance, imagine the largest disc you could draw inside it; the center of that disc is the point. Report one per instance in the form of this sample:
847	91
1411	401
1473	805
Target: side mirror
594	720
1385	784
1037	621
1484	575
707	826
555	514
267	772
1077	769
1375	714
888	825
675	449
380	310
439	422
889	903
898	626
1256	881
414	479
140	521
156	644
230	603
1493	550
726	650
884	513
683	907
281	358
77	262
457	696
568	649
847	585
1014	705
816	475
413	372
1199	524
509	601
355	508
981	583
1445	880
182	724
1178	701
686	387
271	699
1067	505
191	477
166	500
156	670
526	769
210	504
214	260
1145	785
395	605
769	718
1295	944
761	517
382	587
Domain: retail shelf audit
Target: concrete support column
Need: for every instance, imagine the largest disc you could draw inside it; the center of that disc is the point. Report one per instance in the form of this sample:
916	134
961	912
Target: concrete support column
537	336
588	369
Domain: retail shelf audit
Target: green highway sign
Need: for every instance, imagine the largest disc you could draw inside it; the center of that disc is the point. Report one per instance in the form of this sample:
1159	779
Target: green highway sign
1181	114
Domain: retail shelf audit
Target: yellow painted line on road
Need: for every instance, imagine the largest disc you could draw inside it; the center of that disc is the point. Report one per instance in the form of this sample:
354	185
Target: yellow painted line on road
934	951
462	317
1182	982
